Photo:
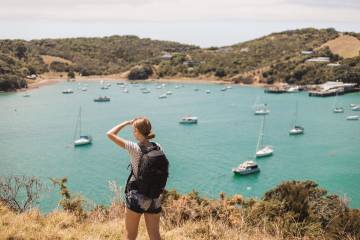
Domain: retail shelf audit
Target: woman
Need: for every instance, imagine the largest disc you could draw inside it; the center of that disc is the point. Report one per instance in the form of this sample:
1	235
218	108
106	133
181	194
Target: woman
136	203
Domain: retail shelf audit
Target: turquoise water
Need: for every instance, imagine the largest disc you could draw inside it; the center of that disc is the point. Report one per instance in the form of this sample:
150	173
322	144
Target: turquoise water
36	135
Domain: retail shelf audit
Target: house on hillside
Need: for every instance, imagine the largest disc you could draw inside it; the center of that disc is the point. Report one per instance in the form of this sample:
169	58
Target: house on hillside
318	59
166	56
333	64
306	52
32	76
245	49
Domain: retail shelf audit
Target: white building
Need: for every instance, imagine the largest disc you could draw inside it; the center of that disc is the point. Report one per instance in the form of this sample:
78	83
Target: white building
319	59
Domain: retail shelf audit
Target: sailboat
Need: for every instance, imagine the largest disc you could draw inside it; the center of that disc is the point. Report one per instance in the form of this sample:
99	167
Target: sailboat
337	109
260	108
261	149
83	139
296	130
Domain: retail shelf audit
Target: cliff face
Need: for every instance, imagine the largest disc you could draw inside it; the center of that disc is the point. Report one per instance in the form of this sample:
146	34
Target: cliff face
293	210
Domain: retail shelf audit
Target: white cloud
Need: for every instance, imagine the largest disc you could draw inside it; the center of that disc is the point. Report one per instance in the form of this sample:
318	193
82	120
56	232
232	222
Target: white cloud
180	10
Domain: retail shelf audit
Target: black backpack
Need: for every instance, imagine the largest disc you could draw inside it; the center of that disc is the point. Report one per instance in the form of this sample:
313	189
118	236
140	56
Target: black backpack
153	171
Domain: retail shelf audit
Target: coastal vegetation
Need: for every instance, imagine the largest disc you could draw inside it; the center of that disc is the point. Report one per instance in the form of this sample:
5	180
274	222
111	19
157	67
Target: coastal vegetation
277	57
292	210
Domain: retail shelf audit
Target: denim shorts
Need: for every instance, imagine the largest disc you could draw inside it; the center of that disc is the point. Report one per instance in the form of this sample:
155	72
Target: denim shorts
141	204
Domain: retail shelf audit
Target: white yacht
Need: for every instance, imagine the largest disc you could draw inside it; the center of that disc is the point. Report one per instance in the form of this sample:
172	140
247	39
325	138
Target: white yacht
146	91
162	96
261	149
223	89
338	110
126	90
246	168
189	120
68	91
176	87
296	130
83	139
26	95
261	109
293	89
84	89
169	93
208	91
229	87
352	117
355	108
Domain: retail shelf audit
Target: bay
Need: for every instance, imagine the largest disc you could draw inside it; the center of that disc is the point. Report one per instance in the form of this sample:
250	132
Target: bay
36	136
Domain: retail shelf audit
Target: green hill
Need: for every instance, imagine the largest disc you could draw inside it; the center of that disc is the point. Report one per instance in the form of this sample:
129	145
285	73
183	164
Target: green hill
273	58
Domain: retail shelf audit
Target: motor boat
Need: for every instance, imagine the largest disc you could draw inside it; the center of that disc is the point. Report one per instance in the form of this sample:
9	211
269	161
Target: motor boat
338	110
261	109
169	93
208	91
189	120
352	117
355	108
102	99
162	96
68	91
246	168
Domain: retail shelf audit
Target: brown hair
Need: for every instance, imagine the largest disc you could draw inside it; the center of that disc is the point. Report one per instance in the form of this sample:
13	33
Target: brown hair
143	125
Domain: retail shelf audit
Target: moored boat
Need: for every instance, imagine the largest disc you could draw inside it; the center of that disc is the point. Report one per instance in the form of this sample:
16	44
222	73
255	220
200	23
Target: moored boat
352	117
68	91
189	120
247	167
83	139
102	99
338	110
261	149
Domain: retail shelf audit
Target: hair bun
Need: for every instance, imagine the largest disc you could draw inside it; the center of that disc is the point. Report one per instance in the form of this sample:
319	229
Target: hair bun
150	135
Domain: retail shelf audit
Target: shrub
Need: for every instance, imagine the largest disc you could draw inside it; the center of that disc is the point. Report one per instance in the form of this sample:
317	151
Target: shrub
140	73
20	193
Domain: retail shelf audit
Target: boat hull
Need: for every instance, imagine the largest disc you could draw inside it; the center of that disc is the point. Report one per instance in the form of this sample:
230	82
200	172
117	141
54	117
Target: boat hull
265	152
246	172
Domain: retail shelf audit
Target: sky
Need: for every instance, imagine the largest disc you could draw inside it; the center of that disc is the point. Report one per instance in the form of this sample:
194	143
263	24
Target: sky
203	23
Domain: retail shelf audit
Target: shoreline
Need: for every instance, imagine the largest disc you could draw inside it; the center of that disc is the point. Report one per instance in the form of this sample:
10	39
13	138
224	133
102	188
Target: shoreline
45	80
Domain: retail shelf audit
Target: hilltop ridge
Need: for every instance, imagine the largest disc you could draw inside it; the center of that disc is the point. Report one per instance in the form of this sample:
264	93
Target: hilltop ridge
277	57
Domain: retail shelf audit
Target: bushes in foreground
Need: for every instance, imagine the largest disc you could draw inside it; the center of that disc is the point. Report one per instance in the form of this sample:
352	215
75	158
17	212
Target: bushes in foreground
292	210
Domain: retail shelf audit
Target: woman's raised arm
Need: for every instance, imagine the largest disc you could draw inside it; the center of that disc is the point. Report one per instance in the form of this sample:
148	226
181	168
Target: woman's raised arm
112	133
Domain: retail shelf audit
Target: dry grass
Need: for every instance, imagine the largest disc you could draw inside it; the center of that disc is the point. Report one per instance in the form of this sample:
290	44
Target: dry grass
346	46
64	225
49	59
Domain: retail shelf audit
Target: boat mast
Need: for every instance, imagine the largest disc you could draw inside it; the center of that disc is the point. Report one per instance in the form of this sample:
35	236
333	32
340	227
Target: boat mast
261	134
80	121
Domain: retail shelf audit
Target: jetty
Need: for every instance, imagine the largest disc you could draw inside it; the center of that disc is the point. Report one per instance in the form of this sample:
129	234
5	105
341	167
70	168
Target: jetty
332	89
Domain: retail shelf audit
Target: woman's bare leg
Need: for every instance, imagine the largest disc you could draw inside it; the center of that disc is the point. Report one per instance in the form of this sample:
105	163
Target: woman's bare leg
152	222
131	223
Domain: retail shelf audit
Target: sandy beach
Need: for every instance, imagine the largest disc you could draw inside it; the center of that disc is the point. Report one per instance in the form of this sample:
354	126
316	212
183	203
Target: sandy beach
52	78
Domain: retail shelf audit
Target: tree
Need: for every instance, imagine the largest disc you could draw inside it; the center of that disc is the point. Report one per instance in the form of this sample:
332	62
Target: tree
20	51
20	193
71	74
